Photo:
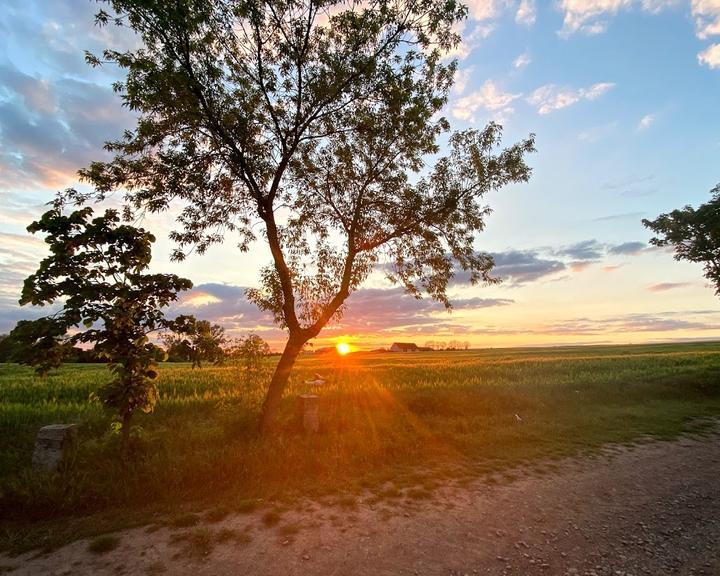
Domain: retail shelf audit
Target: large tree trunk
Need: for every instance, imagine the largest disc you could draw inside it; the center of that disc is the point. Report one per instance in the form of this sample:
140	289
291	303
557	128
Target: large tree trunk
277	385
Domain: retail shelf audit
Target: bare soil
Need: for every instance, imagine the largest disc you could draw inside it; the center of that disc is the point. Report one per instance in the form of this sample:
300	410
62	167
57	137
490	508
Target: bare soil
648	509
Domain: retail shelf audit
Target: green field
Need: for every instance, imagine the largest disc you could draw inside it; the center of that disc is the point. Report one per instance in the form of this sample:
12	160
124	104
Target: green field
410	419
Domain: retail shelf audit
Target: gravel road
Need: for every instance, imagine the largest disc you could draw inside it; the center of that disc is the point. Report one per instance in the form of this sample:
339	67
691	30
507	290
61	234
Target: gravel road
651	509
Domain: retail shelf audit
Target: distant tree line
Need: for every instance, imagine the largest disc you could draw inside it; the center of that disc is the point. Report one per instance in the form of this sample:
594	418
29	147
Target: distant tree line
452	345
206	344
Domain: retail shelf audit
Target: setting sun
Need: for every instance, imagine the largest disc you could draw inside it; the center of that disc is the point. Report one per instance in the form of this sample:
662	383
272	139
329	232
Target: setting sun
343	348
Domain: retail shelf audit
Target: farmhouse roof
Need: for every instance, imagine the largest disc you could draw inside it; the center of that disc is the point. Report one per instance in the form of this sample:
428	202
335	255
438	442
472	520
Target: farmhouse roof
406	345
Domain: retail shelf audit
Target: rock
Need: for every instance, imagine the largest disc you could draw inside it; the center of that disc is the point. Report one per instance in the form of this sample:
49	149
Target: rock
54	443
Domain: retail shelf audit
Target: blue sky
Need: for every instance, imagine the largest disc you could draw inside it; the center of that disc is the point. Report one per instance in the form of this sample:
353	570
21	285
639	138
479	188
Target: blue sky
622	96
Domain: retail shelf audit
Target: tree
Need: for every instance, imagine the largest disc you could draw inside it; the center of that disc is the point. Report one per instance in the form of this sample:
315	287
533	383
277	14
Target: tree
96	271
315	120
251	350
177	348
694	233
199	341
5	348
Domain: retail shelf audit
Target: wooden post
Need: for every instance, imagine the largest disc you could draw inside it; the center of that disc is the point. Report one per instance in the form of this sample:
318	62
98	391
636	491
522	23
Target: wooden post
53	444
310	409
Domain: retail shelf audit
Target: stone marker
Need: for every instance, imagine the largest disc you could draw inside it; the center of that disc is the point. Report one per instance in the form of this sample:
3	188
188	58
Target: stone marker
53	444
310	409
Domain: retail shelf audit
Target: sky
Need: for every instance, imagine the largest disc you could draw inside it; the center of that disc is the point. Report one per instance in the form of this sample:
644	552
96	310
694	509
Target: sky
621	94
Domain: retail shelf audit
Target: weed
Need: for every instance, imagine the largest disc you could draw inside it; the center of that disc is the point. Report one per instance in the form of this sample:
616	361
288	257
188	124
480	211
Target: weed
198	542
103	544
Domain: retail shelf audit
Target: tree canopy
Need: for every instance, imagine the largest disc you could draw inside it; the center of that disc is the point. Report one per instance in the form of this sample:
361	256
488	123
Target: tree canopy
694	233
198	341
96	272
311	125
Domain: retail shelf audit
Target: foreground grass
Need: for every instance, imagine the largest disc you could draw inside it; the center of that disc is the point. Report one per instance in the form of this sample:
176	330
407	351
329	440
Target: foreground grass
414	420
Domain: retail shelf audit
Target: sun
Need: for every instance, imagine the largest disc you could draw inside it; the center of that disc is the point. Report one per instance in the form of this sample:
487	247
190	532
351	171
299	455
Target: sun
343	348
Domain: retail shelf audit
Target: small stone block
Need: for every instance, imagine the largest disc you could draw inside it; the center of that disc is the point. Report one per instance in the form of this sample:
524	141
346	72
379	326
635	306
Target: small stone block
310	407
53	444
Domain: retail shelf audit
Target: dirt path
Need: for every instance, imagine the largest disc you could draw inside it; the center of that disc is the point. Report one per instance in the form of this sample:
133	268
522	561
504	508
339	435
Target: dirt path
653	509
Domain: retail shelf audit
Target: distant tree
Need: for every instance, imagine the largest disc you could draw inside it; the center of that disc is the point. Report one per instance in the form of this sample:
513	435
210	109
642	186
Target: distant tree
5	348
177	348
96	272
251	350
312	119
694	234
199	341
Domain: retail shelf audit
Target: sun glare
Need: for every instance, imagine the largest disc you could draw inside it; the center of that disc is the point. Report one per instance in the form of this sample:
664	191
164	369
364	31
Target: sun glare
343	348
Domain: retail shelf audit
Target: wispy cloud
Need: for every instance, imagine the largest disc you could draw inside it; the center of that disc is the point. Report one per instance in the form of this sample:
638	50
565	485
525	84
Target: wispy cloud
665	286
462	77
646	121
522	61
591	16
489	98
551	97
526	13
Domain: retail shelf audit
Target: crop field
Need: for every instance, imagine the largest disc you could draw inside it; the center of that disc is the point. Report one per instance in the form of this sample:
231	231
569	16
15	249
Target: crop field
395	420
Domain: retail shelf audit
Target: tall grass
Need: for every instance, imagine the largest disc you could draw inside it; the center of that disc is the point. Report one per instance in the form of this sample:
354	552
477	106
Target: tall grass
396	417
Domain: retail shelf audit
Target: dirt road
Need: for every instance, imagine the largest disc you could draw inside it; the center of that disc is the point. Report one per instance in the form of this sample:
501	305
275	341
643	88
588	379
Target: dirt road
652	509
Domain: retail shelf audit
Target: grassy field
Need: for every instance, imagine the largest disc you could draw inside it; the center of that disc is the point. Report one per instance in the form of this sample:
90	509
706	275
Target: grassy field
413	420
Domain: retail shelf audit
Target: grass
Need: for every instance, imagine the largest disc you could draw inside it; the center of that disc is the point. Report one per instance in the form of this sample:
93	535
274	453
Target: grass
417	419
103	544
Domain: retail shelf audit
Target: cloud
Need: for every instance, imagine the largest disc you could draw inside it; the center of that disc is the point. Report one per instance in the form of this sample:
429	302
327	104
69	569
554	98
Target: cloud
622	216
50	129
483	9
519	267
489	97
665	286
633	186
461	80
710	57
628	182
368	309
591	16
585	250
469	40
552	97
707	18
383	309
646	121
526	13
588	16
628	248
636	322
598	133
521	61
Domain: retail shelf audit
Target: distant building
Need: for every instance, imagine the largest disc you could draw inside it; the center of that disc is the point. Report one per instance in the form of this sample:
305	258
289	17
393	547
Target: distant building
404	347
